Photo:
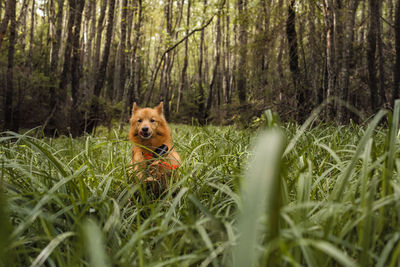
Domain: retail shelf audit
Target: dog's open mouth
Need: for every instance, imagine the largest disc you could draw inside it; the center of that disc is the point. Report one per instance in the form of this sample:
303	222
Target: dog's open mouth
145	135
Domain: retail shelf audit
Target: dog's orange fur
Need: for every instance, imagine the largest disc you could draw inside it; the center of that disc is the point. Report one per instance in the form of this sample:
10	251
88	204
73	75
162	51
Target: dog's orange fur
158	133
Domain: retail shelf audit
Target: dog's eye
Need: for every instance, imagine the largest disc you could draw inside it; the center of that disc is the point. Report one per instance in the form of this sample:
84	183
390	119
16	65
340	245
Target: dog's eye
152	120
140	120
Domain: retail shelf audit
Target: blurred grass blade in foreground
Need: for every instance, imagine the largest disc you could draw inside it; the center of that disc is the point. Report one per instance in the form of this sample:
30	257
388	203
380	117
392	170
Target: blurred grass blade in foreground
5	230
260	194
94	243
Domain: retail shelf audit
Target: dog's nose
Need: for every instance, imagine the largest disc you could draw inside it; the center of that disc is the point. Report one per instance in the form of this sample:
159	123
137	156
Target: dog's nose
145	129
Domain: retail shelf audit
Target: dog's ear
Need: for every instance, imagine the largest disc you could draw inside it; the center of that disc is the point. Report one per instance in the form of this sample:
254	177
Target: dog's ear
160	108
135	107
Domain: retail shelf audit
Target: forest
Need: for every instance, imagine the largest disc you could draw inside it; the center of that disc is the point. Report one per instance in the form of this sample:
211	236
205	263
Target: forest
69	66
285	115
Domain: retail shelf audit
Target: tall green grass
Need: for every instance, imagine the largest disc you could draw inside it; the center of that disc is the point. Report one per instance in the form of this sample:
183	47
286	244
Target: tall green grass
286	195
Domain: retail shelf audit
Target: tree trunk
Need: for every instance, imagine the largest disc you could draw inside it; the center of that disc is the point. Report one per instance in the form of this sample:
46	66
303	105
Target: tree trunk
75	119
294	57
57	46
396	68
262	57
380	45
91	52
242	61
130	94
101	74
227	85
10	122
316	87
66	72
56	43
32	28
215	73
88	36
135	92
96	60
330	53
7	15
165	80
344	73
21	23
102	71
371	52
121	53
183	83
200	100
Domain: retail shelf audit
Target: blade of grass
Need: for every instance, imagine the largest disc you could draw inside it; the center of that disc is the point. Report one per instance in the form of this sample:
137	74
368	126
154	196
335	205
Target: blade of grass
334	252
366	232
260	189
94	244
391	146
45	199
46	252
387	250
305	125
174	204
344	178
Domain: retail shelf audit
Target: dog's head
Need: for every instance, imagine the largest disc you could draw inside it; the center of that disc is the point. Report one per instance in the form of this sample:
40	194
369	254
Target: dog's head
147	122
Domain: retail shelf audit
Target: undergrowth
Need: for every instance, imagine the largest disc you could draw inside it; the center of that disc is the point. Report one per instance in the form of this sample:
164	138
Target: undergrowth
287	195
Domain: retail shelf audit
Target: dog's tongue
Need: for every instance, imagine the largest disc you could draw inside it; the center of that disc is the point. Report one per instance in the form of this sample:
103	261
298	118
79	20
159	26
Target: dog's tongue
144	134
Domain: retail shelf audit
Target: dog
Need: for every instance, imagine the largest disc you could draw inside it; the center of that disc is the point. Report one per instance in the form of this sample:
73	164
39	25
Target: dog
154	158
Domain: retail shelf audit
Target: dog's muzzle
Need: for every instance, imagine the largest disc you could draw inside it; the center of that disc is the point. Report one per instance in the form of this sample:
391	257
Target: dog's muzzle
145	133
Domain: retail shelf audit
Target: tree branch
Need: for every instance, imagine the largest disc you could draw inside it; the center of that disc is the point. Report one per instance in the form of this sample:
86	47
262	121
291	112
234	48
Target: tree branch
201	28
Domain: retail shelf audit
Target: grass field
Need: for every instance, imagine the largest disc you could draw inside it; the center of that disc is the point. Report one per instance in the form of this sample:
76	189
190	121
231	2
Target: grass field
287	196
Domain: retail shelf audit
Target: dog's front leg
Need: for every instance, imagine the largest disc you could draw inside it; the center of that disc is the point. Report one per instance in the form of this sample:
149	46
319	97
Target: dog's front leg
138	163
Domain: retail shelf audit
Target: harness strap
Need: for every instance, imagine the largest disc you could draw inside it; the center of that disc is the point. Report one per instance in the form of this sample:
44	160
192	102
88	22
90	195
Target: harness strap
161	150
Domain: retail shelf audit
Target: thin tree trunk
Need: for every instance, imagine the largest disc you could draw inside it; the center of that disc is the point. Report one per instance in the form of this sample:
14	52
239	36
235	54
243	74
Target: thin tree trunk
330	52
130	94
101	74
57	39
344	74
361	36
102	71
389	32
242	61
10	118
227	86
96	59
7	15
390	11
164	82
91	52
396	67
32	29
121	77
264	52
56	43
316	88
215	73
88	36
66	72
380	45
293	56
136	56
22	21
76	70
371	52
183	84
200	100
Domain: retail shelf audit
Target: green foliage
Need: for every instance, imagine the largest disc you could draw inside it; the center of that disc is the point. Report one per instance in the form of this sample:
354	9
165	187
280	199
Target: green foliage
327	196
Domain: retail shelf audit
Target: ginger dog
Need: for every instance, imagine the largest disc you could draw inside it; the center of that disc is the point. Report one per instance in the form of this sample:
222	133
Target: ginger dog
153	155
